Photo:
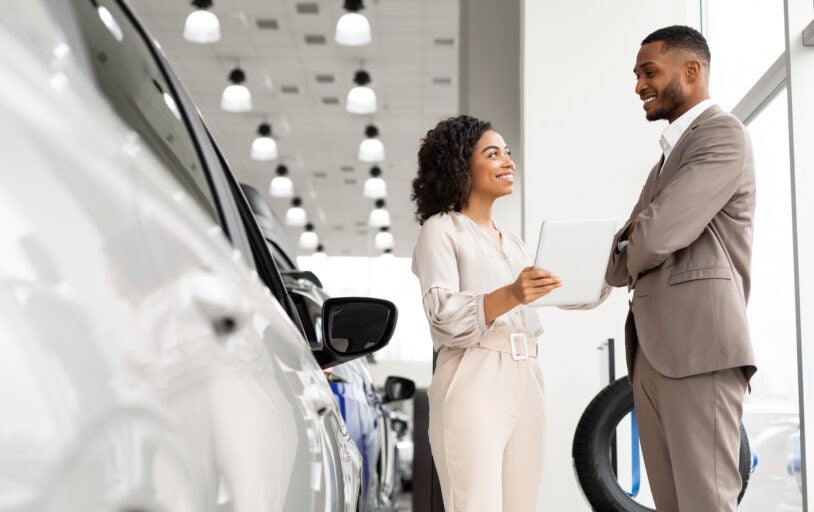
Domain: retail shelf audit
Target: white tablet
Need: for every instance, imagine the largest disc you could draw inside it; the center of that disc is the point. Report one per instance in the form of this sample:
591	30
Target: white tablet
577	251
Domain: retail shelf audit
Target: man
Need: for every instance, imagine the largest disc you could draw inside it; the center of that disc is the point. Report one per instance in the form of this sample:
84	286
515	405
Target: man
686	253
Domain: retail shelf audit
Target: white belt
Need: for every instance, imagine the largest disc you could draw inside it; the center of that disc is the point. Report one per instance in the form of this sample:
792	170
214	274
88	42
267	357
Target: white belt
521	344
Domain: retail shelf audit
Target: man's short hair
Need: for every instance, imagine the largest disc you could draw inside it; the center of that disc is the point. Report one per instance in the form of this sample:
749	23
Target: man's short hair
680	37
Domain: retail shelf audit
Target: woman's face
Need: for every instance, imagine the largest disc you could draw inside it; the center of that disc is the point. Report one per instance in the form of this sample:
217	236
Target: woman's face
492	167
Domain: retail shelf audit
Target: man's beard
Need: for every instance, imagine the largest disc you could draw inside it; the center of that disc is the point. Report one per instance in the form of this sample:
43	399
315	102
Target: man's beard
671	98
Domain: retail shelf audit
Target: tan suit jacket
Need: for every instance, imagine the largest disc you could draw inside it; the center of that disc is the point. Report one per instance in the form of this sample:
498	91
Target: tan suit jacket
688	259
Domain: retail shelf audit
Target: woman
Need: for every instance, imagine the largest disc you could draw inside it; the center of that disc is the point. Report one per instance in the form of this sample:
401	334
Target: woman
486	398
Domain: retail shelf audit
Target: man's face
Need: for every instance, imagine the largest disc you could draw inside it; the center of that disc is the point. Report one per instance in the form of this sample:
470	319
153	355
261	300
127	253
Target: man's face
660	82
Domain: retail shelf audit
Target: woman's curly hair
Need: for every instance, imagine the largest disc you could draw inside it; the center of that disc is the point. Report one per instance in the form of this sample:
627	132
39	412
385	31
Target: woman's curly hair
444	179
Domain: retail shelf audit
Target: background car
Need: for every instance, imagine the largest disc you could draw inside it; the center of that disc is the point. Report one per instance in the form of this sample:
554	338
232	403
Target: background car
162	359
362	405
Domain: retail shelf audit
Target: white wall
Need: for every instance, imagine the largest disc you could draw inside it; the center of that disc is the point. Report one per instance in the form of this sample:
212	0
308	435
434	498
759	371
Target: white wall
588	149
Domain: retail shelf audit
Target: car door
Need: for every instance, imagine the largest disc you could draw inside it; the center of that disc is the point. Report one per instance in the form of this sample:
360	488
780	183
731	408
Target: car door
232	364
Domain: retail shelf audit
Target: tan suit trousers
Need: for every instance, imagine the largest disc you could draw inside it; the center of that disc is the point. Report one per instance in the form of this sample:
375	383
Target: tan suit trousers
486	429
689	430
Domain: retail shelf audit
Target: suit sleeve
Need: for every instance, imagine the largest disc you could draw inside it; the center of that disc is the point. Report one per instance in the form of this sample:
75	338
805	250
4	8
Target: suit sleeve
617	274
707	178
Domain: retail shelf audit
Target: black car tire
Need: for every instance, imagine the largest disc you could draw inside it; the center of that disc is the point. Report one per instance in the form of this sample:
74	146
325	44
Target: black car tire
592	448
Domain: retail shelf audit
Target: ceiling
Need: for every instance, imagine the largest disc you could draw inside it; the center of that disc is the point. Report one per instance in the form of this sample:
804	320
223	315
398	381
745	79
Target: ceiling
299	78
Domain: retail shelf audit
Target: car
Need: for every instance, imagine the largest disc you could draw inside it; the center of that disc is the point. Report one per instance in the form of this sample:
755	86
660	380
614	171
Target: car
152	358
363	407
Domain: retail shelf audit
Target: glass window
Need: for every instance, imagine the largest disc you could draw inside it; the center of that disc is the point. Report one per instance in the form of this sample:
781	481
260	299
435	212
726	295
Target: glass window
127	73
771	410
745	38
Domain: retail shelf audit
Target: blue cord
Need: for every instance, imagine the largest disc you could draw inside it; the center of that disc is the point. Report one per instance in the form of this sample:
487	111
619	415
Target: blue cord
635	465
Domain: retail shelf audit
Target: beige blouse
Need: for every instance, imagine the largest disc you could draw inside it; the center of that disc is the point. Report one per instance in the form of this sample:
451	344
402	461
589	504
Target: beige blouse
457	264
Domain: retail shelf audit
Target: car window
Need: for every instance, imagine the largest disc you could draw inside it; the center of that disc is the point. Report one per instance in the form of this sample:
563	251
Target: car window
126	72
310	315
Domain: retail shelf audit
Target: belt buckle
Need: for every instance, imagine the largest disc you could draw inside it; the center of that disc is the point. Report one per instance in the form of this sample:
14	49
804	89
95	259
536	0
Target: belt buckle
512	338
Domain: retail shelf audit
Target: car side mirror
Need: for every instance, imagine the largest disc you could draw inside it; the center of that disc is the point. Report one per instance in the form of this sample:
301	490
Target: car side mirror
356	326
398	388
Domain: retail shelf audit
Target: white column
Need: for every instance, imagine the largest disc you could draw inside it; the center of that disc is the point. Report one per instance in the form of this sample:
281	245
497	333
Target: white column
799	14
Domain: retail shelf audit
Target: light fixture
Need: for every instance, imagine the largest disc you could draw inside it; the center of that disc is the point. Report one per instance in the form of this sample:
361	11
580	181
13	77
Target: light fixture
375	187
308	239
295	215
202	26
387	254
236	96
361	99
264	148
352	29
320	253
371	149
384	239
281	185
379	217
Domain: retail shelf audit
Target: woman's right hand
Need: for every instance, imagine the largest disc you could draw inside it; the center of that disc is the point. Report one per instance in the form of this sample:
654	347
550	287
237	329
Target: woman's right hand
533	283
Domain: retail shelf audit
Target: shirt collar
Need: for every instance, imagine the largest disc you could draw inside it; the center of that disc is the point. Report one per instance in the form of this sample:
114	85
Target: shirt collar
676	129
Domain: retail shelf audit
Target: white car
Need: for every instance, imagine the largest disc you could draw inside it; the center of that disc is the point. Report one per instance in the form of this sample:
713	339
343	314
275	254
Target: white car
150	356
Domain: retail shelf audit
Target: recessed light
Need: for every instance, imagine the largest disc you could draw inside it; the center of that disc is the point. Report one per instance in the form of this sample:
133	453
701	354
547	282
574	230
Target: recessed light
325	79
314	39
444	41
347	168
289	89
442	80
307	8
267	24
330	100
350	181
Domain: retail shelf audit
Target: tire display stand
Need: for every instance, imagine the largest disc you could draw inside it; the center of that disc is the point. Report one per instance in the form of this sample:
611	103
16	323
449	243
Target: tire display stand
594	451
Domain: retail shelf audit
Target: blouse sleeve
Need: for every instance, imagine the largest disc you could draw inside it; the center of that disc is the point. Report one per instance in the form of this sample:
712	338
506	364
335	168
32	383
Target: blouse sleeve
456	317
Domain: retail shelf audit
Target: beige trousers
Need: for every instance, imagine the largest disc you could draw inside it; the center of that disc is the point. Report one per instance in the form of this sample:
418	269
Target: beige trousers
689	430
487	425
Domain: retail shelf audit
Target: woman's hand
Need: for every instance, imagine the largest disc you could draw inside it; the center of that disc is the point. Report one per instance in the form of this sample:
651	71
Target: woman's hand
530	285
533	283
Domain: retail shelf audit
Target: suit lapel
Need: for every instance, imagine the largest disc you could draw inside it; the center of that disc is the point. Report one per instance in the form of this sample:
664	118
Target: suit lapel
673	162
650	185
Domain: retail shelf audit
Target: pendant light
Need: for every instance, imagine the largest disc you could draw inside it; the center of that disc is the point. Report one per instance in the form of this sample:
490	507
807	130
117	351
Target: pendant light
375	187
295	215
236	96
308	239
352	29
387	254
264	148
371	149
202	26
361	99
281	185
384	239
320	253
379	217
